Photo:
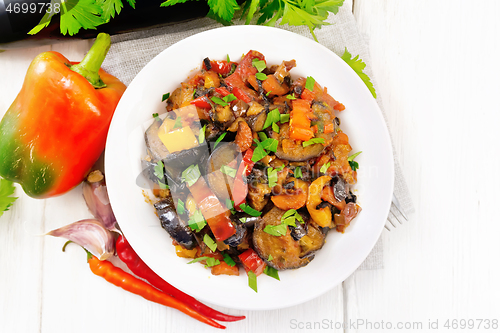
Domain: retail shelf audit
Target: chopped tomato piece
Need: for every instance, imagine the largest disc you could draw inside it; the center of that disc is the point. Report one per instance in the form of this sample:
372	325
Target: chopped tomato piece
252	262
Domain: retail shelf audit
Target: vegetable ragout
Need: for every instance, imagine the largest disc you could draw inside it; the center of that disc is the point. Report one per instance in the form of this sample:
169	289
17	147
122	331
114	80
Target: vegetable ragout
250	167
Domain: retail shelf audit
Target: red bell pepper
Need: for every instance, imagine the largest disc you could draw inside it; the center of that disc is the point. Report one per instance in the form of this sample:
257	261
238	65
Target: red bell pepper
220	66
212	210
252	262
223	91
56	128
201	102
240	188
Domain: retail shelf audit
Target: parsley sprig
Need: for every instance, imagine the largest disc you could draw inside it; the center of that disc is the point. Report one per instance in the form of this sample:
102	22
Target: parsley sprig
358	66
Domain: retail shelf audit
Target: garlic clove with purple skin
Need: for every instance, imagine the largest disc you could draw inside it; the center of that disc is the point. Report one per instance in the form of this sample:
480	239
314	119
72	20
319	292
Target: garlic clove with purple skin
89	234
96	196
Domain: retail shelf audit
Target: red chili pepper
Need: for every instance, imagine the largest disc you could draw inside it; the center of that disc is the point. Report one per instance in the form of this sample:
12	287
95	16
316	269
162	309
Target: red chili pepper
216	215
201	102
240	188
139	268
124	280
252	262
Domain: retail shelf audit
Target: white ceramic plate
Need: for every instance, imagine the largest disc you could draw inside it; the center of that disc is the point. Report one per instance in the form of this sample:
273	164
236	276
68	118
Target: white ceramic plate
362	121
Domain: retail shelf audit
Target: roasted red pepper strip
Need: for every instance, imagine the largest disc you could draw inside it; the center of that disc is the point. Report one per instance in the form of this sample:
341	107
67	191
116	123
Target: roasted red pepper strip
122	279
223	91
212	210
240	188
201	102
139	268
220	66
56	128
252	262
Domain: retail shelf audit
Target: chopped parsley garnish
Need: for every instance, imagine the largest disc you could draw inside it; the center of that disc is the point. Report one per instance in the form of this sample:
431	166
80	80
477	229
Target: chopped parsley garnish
276	230
324	167
272	272
262	136
259	64
201	137
313	141
261	76
210	242
191	174
212	262
219	101
291	97
272	177
259	152
268	93
197	221
180	207
276	128
227	58
310	83
249	210
243	220
229	98
230	206
353	164
162	186
297	172
284	118
155	116
178	123
290	217
198	260
7	189
219	139
252	280
270	144
158	170
228	260
228	171
165	97
270	258
272	117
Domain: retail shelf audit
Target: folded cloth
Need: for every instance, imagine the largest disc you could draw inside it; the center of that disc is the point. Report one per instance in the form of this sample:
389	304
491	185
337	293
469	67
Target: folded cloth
130	52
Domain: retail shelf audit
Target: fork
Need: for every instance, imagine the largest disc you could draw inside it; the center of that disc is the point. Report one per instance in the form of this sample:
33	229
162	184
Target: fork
395	214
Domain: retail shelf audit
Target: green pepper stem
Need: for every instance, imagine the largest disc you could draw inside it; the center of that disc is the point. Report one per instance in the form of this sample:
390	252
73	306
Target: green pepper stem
89	67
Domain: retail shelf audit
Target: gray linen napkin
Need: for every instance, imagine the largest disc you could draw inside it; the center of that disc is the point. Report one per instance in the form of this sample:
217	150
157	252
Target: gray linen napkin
130	52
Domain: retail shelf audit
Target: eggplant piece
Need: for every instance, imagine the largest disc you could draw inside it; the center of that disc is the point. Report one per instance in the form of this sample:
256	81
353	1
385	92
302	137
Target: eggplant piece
298	153
238	237
257	122
177	162
285	251
244	219
351	198
156	148
299	231
340	188
312	241
171	222
220	183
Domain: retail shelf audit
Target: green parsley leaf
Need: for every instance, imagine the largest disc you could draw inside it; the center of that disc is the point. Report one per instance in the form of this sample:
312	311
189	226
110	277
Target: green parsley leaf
197	221
229	98
219	139
201	136
259	64
284	118
310	83
230	206
155	116
227	58
272	117
262	136
165	97
324	167
270	144
270	258
180	207
159	171
352	157
353	164
249	210
358	66
313	141
259	152
191	174
243	220
276	128
210	242
178	123
252	280
212	262
198	260
272	272
219	101
110	8
268	93
291	97
231	172
297	172
276	230
261	76
7	189
162	185
272	177
228	260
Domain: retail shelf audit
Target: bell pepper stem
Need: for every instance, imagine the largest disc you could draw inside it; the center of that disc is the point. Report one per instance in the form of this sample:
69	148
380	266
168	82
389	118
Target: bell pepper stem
89	66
